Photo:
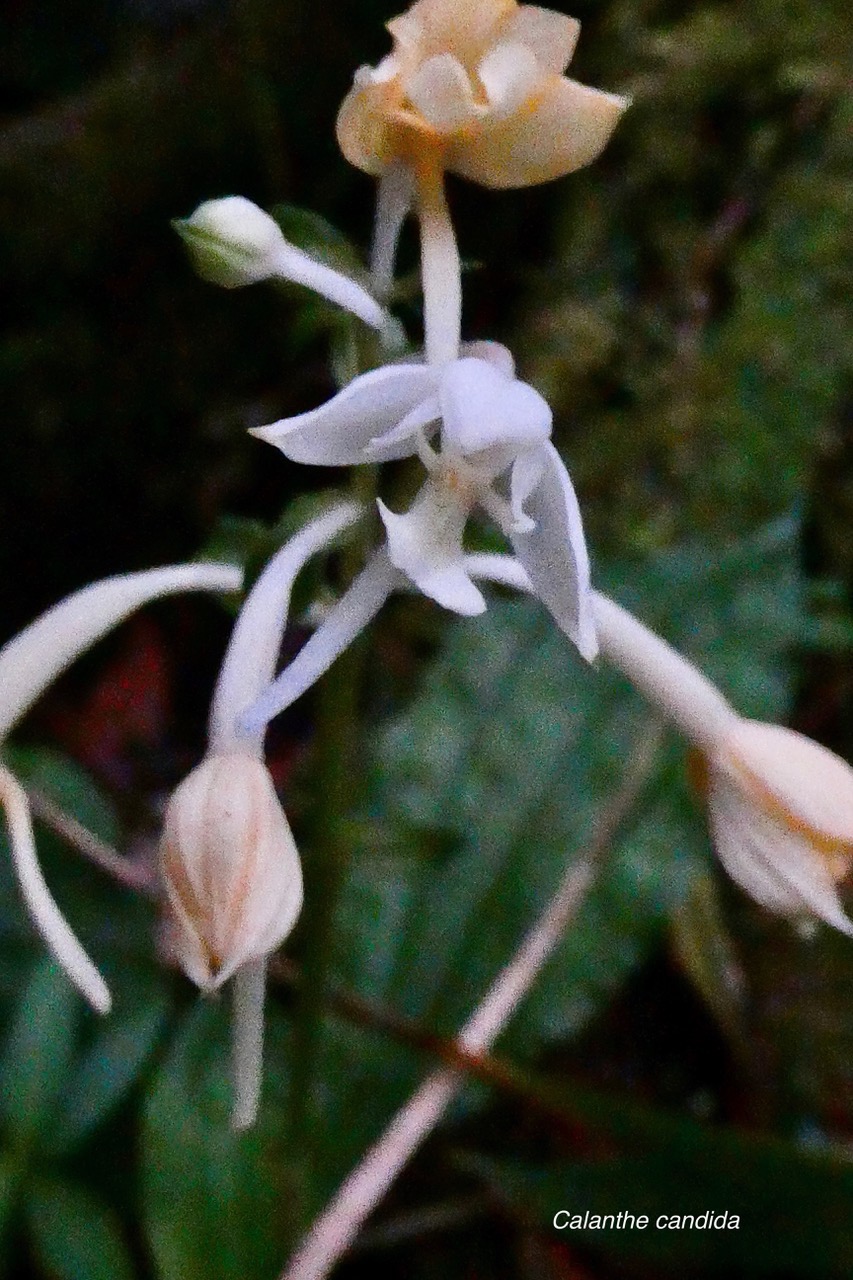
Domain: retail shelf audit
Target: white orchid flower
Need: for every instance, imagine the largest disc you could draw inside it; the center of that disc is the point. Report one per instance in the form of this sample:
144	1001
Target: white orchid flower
780	806
28	664
234	243
494	452
229	862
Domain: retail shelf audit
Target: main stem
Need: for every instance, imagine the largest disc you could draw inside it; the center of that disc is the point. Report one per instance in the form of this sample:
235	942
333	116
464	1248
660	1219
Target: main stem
441	269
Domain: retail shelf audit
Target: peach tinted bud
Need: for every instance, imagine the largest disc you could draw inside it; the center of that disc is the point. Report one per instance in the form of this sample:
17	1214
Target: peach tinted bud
230	867
781	810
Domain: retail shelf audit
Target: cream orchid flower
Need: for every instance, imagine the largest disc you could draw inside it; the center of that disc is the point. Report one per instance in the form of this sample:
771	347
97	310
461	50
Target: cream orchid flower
474	87
28	664
229	862
494	453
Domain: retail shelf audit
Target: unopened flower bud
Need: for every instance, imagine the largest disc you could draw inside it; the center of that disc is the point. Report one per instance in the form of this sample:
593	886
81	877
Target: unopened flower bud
230	867
781	810
233	243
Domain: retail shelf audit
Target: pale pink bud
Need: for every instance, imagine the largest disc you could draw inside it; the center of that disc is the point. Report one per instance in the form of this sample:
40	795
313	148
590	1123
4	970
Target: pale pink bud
230	867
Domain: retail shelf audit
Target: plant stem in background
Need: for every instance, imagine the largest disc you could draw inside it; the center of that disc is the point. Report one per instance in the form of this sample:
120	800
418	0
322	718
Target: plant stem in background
336	1228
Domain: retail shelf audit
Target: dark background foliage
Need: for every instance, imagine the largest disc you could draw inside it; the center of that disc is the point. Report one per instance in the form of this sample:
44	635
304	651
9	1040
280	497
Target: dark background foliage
682	304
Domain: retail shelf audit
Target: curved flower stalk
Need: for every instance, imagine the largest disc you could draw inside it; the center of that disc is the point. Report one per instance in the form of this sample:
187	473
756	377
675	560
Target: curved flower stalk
780	806
229	862
28	664
234	243
494	452
475	88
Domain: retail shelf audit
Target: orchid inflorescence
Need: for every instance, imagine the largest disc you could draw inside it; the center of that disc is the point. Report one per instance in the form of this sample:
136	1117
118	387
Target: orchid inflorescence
475	88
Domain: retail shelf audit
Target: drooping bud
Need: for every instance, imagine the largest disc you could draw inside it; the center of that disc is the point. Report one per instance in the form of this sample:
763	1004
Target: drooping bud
234	243
781	810
230	867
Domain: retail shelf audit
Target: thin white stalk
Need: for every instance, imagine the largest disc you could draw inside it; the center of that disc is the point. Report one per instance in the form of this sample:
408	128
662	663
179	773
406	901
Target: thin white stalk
352	613
37	655
336	1228
250	660
668	680
671	683
441	272
292	264
393	203
46	916
248	989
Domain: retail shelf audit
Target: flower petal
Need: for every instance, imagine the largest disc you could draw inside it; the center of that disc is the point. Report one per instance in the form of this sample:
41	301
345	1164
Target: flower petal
492	352
45	914
356	608
441	91
466	27
555	554
807	781
510	74
563	127
481	408
386	447
36	656
425	543
550	35
336	434
526	474
249	663
775	863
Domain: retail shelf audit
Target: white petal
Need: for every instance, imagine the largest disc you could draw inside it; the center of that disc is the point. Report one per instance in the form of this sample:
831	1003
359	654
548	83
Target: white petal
551	36
425	543
805	779
526	474
336	434
481	408
249	663
555	554
501	569
45	914
775	863
509	74
493	353
441	91
386	447
36	656
291	263
355	609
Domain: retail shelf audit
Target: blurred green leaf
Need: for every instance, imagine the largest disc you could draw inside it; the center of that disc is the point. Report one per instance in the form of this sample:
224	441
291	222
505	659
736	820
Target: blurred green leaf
75	1236
215	1202
37	1055
70	786
793	1204
113	1060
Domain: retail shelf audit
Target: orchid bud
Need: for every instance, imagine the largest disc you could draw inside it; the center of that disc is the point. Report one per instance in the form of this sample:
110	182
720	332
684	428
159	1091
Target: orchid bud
234	243
781	811
230	867
231	241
